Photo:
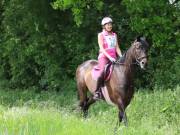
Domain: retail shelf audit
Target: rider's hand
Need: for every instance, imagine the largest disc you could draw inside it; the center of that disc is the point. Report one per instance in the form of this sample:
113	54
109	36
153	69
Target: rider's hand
112	59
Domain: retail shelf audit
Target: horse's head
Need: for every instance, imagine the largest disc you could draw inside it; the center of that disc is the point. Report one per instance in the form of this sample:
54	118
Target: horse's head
140	47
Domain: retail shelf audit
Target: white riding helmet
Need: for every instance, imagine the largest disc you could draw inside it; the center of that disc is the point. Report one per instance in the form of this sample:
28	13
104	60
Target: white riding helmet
106	20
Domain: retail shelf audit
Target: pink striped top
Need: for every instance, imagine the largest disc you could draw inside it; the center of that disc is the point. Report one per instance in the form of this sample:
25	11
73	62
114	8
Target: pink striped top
109	44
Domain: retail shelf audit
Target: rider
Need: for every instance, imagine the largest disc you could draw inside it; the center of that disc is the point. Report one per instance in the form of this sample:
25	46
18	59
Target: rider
109	49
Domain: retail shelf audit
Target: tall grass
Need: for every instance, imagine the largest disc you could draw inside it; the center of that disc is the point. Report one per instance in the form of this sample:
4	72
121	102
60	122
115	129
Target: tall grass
26	112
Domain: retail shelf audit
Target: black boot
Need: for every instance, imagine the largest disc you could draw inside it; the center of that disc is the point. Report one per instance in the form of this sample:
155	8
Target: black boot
98	92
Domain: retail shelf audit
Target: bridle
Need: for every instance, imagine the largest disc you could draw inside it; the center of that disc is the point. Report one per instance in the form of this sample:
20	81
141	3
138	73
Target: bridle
138	60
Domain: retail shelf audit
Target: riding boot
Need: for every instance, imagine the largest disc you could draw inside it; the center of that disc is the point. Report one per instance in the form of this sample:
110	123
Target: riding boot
98	92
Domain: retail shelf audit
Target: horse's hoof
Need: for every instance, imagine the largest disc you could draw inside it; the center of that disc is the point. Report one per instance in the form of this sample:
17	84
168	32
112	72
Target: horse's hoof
85	114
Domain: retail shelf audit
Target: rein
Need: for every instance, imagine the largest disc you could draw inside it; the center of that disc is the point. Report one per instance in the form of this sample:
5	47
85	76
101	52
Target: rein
134	63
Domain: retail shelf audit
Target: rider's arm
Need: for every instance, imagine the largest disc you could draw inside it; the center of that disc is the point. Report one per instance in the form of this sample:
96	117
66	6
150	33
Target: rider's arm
100	42
117	48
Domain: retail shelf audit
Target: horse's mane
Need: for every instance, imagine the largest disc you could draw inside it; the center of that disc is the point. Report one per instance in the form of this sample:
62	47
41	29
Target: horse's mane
122	59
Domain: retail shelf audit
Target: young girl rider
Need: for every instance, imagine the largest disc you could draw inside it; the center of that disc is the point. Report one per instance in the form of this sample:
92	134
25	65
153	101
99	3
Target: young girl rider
109	49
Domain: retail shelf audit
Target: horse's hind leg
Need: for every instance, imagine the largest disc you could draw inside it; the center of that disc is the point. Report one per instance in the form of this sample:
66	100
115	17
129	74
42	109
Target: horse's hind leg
90	101
82	93
83	72
85	101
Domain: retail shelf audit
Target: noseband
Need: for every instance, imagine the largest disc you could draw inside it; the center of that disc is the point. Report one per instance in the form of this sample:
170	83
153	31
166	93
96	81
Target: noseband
138	60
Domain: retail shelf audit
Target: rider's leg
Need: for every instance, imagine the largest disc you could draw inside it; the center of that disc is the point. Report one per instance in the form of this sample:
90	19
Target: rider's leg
100	81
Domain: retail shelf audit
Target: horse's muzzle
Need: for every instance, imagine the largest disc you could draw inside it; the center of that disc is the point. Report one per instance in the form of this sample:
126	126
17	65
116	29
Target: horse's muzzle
143	63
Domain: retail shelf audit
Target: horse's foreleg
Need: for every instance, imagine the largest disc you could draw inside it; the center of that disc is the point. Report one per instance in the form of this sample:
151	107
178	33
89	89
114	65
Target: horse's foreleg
122	114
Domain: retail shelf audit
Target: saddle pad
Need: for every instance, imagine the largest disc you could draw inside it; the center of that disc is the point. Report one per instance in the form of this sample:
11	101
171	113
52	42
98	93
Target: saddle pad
96	72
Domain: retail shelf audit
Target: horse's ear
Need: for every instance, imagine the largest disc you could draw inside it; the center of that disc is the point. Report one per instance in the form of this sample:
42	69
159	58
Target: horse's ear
143	38
145	41
138	39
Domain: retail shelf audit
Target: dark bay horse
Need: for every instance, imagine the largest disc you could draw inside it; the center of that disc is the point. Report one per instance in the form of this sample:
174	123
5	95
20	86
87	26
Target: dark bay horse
119	89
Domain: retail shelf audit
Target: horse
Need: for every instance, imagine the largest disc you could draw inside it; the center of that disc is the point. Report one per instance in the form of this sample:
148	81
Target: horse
120	86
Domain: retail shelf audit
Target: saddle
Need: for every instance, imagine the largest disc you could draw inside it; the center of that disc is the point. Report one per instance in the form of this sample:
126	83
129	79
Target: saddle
107	70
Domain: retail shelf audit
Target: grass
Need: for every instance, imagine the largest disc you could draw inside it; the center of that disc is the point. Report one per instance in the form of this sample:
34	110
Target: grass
26	112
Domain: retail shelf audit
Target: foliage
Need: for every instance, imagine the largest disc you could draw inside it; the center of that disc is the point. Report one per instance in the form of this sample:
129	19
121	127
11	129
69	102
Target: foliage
42	42
79	8
31	51
160	23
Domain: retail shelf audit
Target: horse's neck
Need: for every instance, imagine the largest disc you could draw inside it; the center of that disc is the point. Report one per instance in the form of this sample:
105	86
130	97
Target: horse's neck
129	62
126	70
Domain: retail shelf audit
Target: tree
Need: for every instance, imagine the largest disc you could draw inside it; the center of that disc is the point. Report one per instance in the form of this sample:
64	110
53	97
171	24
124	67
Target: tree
42	42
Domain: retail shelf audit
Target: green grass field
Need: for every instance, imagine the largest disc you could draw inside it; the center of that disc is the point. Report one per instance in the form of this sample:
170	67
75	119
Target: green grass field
26	112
